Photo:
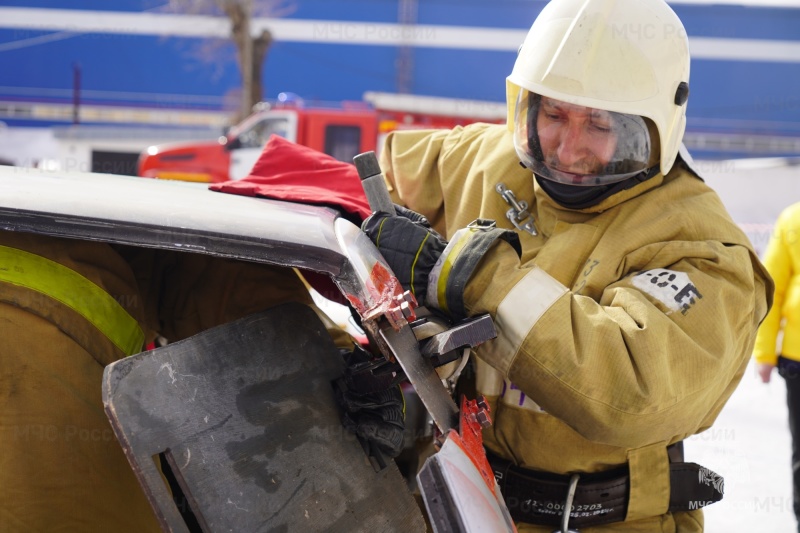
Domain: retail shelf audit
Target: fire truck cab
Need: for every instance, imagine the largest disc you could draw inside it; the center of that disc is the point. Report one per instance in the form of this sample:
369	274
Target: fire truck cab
341	131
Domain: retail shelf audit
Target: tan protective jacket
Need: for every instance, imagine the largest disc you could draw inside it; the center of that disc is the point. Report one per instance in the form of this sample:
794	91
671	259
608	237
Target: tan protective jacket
624	327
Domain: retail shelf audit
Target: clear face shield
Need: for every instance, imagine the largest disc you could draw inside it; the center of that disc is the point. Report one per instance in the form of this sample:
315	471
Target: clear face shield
577	145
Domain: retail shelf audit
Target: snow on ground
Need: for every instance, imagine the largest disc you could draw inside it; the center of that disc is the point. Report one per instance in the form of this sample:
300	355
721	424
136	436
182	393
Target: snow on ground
750	444
750	447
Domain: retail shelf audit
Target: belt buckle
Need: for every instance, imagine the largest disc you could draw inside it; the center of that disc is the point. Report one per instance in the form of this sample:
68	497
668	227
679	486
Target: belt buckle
573	484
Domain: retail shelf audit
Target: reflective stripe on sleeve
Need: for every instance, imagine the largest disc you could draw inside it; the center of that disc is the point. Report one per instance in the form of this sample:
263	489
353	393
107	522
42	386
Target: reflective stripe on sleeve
437	279
518	313
63	284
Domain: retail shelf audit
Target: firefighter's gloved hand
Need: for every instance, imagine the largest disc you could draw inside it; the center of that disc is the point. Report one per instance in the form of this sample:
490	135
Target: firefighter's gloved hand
373	406
408	244
436	271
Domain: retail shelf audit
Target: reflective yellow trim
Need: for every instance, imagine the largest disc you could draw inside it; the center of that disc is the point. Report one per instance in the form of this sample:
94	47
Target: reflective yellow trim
416	258
447	266
380	230
63	284
195	177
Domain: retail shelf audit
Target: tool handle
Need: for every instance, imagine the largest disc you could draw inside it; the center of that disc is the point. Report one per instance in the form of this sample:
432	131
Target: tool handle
373	182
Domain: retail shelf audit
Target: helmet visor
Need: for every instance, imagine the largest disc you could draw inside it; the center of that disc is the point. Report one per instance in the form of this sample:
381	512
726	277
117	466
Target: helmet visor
578	145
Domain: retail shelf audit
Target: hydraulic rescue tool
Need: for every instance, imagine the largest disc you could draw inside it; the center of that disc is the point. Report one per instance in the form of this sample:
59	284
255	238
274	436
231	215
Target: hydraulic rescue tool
457	483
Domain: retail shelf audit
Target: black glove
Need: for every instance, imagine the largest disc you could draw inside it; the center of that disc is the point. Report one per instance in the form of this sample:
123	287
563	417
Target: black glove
373	405
414	252
409	245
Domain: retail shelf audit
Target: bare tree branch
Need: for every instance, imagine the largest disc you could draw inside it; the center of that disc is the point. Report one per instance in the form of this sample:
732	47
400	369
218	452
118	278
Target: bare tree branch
251	50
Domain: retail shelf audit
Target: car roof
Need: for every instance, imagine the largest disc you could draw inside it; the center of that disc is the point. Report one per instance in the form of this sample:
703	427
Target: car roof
169	215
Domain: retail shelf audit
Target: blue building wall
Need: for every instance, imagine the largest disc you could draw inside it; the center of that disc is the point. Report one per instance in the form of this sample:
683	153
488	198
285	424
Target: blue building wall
736	96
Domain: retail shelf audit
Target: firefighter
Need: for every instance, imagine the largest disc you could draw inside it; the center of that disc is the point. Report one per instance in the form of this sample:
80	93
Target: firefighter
626	299
68	308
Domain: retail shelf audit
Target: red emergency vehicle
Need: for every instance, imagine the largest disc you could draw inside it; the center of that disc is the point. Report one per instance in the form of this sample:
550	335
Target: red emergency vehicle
341	131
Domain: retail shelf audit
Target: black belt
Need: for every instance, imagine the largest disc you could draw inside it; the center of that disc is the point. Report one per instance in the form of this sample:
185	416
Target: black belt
536	497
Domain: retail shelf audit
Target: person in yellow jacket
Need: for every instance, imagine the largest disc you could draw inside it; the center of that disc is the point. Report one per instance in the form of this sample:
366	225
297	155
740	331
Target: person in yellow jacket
68	308
626	299
782	259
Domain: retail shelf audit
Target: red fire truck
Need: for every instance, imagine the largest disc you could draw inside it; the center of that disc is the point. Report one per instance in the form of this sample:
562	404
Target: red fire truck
341	131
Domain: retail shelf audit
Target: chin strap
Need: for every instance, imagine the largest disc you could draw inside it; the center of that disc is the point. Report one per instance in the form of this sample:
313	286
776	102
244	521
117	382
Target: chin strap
581	197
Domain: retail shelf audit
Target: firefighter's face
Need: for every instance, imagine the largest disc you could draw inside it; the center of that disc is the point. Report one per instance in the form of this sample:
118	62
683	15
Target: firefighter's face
575	140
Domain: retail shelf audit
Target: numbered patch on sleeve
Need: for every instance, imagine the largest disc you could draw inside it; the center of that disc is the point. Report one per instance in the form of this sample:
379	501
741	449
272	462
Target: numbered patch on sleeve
673	289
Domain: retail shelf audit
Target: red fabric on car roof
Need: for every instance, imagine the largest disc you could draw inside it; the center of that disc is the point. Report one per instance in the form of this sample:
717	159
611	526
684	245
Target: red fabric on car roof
295	173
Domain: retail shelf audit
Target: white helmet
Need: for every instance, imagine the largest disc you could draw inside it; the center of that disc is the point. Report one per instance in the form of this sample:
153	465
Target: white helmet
626	57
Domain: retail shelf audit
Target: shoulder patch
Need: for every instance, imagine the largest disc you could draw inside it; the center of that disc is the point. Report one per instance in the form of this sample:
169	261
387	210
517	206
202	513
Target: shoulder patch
673	289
